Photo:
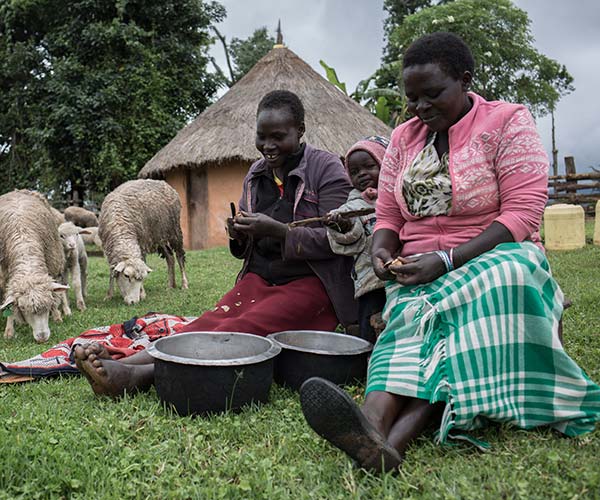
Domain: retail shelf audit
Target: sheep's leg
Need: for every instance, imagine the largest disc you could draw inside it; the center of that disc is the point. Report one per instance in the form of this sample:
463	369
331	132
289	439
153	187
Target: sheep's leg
76	279
9	331
181	262
111	284
170	266
83	267
64	300
142	292
55	311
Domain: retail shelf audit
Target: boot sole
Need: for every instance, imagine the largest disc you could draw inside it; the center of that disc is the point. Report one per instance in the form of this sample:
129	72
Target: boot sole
334	415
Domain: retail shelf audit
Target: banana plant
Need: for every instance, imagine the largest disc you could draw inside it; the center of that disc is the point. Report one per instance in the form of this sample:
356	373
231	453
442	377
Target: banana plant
389	105
332	77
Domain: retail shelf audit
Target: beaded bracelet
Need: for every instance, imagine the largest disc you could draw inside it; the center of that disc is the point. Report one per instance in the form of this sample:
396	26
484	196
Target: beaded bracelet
442	254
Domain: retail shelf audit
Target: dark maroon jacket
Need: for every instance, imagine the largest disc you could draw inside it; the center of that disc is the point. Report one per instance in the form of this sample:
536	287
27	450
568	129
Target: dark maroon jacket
323	185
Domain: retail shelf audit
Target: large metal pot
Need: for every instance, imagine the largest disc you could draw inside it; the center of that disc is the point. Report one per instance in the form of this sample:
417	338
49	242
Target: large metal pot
210	372
310	353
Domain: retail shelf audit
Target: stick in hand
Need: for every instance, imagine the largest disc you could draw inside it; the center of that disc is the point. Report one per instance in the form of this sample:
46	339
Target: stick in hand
346	215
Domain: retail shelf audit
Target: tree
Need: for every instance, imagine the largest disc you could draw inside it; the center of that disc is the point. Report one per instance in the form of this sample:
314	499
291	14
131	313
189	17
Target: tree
382	93
104	85
508	66
19	99
242	54
247	52
397	10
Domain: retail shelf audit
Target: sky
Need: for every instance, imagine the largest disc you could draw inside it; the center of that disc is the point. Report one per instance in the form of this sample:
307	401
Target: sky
348	35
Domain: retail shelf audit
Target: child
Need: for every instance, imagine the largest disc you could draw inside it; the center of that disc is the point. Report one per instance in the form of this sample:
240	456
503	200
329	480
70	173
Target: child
353	236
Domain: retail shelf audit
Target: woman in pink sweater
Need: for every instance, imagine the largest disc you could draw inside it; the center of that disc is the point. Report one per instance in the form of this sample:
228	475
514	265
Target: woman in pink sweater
472	310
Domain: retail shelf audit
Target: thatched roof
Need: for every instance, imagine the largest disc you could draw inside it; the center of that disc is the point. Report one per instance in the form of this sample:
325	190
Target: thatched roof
225	130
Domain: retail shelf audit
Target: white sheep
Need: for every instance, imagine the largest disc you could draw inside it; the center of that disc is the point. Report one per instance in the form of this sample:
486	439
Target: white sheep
138	218
80	217
76	262
60	218
90	236
31	258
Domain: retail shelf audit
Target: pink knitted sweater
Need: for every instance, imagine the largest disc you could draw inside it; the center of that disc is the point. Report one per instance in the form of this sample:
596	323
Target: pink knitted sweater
499	172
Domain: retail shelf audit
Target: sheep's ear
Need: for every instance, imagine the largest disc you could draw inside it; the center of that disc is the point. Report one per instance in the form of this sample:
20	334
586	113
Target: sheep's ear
8	302
120	267
85	230
58	287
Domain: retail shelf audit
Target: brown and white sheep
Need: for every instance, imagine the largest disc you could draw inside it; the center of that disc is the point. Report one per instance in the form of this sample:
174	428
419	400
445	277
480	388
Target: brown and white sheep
138	218
76	262
31	258
80	217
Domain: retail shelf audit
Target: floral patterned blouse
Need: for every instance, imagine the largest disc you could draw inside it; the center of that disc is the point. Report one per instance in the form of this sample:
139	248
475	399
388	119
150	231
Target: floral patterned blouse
427	186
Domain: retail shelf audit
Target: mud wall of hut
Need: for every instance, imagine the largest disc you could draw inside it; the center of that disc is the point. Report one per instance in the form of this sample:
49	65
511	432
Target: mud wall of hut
205	194
224	186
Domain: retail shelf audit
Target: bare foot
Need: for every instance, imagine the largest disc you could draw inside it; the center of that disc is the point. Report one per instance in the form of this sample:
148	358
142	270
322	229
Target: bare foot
107	377
81	353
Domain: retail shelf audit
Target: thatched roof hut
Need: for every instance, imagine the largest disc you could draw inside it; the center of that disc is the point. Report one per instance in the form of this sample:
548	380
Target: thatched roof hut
218	146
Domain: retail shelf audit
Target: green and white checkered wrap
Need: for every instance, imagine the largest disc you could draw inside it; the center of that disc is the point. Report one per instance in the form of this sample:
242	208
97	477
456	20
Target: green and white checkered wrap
484	340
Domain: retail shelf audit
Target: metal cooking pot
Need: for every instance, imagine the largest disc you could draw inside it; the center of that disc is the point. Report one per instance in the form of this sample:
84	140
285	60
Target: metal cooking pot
310	353
210	372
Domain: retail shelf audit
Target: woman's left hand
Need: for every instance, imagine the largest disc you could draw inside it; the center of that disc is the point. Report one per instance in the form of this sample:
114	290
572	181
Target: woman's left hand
259	225
419	269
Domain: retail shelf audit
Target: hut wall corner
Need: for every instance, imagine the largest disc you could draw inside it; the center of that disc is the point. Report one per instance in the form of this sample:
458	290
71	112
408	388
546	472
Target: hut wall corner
178	179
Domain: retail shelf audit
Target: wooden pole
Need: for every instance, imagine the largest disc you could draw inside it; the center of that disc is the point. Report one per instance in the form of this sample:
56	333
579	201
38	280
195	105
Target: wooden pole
554	150
570	170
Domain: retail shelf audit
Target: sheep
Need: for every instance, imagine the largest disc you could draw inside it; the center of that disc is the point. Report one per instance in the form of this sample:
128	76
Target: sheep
75	263
60	218
80	217
31	258
90	236
137	218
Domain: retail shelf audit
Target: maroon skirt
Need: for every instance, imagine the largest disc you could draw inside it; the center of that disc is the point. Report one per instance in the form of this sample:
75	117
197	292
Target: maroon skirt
255	306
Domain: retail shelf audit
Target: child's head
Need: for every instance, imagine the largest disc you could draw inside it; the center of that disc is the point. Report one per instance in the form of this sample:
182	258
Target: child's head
363	161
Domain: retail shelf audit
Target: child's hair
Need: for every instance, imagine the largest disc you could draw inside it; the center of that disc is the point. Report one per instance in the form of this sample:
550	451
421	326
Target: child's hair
375	145
283	99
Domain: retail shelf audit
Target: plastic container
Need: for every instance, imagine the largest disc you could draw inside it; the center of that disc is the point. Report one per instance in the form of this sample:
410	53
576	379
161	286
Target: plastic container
597	224
564	227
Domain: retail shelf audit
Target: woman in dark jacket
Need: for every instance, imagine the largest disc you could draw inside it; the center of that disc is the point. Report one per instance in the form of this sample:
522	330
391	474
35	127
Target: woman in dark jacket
290	279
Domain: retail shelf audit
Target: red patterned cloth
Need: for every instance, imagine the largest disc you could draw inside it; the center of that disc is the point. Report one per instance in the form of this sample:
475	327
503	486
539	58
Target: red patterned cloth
121	340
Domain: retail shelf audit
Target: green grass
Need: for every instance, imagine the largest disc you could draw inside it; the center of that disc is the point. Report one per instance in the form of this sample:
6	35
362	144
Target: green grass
59	441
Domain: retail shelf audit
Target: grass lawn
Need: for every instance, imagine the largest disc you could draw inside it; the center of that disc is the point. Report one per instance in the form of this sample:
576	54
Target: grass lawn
58	440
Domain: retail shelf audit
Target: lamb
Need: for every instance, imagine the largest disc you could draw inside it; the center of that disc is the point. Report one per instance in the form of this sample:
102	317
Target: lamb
75	263
80	217
31	258
137	218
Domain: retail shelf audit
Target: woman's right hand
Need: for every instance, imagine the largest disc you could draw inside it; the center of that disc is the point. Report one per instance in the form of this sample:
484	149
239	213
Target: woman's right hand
381	258
386	246
231	231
